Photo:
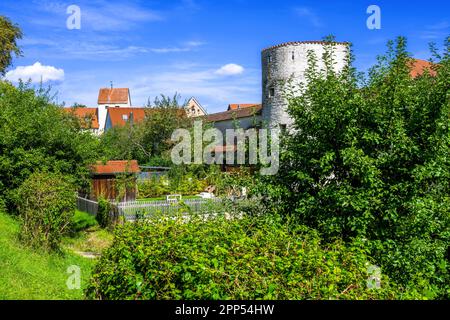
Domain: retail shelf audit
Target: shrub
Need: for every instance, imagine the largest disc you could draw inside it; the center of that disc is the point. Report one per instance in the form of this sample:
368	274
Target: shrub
37	135
373	161
82	221
153	187
103	216
231	259
46	205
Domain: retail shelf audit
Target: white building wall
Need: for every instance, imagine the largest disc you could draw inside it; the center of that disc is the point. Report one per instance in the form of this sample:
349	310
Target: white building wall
103	111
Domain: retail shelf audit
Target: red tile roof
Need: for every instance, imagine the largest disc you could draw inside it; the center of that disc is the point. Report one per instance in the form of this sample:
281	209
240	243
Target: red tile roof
418	67
115	167
117	115
235	106
88	116
234	114
222	149
113	95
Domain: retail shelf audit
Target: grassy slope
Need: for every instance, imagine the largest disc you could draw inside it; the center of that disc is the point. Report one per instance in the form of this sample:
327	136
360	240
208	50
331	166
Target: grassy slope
27	274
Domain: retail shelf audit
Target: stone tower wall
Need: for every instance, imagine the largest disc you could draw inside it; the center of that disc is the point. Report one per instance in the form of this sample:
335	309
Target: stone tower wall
288	62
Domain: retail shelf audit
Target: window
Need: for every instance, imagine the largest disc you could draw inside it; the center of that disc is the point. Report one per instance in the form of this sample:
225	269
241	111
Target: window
125	117
269	58
283	128
271	92
293	55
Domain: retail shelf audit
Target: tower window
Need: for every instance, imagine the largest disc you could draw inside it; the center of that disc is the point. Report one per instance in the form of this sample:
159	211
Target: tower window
271	92
293	55
269	58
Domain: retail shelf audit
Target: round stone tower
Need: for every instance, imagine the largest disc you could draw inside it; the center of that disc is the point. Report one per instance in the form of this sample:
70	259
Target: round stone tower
286	63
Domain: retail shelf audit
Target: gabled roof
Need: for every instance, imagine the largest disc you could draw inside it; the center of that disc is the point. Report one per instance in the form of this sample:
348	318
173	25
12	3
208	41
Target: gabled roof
234	114
88	116
235	106
197	103
419	66
120	116
114	95
115	167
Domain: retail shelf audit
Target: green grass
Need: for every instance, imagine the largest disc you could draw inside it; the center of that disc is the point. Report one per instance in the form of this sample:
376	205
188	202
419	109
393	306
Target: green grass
29	274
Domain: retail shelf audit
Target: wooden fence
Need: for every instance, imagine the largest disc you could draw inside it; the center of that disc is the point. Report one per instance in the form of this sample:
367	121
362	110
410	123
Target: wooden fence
87	205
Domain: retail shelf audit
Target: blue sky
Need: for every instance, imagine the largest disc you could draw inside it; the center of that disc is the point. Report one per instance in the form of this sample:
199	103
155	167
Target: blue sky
207	49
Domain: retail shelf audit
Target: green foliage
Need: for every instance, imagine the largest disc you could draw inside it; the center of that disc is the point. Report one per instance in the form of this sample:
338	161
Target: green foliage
37	135
373	161
9	34
153	187
148	140
231	259
30	274
46	205
82	221
103	216
185	180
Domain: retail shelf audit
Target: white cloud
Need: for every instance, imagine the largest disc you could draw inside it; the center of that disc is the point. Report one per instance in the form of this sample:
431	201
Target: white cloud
99	15
439	26
230	69
435	31
215	92
308	14
36	72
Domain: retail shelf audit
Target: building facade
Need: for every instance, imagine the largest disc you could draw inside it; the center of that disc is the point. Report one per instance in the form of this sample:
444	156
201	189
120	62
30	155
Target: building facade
111	98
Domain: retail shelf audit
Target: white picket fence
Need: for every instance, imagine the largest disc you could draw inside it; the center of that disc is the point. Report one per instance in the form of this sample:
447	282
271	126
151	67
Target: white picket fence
146	209
134	210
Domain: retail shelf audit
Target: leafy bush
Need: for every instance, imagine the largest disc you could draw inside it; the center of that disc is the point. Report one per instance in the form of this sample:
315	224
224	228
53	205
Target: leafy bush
184	184
372	159
249	258
103	216
46	205
153	187
82	221
36	134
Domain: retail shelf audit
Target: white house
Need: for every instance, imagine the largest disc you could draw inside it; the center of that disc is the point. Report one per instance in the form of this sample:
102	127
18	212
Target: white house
194	108
111	98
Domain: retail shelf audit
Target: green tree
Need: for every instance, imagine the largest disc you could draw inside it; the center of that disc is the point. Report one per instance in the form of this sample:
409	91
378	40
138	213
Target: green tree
46	204
37	135
9	34
149	140
164	116
369	158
